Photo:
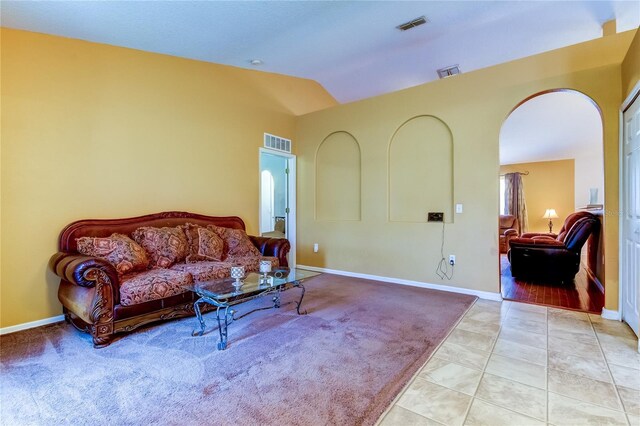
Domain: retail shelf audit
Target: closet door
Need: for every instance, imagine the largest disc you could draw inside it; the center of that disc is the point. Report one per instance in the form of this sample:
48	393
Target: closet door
630	256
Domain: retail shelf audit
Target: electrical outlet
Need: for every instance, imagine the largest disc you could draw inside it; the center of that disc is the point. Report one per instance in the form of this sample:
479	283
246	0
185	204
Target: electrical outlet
315	247
452	259
435	217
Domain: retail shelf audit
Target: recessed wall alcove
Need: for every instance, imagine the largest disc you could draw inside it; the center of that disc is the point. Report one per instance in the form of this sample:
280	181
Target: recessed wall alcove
421	170
338	178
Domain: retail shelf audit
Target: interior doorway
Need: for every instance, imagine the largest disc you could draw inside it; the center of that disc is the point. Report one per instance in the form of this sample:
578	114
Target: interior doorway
551	150
277	216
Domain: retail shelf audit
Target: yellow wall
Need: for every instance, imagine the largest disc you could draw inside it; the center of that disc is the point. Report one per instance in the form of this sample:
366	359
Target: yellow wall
90	130
473	106
631	67
549	184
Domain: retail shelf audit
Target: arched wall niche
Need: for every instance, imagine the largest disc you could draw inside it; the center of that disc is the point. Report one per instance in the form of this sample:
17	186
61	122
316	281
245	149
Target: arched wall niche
421	170
338	178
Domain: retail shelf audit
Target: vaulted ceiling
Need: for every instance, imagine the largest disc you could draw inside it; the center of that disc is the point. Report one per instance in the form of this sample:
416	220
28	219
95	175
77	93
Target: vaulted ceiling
352	48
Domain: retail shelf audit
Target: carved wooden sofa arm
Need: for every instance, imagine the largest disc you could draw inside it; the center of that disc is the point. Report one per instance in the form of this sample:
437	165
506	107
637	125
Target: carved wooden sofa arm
91	280
276	247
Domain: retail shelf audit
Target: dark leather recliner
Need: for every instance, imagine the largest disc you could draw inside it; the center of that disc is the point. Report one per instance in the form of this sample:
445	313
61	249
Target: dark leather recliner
549	256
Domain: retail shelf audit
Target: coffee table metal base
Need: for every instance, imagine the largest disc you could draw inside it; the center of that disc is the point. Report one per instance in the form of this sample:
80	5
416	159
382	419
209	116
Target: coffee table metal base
225	315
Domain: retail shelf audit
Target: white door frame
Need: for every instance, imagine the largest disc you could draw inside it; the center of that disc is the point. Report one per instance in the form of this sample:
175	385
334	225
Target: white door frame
291	216
633	96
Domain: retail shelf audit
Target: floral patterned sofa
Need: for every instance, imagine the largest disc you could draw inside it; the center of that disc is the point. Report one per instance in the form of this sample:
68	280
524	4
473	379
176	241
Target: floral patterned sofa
119	274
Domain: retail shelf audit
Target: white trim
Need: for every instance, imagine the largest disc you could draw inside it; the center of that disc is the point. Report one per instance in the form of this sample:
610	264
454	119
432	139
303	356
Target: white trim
32	324
611	315
634	95
620	203
631	96
481	294
292	216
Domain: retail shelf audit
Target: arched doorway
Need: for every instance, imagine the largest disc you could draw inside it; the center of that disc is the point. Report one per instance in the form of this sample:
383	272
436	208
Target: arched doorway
551	151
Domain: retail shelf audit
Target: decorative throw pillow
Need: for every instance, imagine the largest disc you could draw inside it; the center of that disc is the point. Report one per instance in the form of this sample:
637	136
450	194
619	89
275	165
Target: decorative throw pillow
119	250
236	242
204	244
165	246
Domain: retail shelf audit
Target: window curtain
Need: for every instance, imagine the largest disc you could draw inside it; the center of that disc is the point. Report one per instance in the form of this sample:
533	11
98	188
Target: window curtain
514	203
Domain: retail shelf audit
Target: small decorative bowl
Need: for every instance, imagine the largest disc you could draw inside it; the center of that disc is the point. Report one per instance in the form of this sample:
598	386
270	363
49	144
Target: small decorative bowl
280	272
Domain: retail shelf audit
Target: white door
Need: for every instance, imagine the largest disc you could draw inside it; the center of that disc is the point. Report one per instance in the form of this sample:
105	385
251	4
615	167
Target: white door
267	201
630	256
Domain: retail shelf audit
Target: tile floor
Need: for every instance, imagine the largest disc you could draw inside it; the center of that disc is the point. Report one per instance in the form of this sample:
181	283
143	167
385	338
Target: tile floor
511	363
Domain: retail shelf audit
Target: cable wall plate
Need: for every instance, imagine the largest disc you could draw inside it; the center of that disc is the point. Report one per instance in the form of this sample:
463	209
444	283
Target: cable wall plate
435	217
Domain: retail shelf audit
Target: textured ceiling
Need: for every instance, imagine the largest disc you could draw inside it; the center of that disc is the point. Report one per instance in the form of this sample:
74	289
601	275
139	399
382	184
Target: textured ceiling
352	48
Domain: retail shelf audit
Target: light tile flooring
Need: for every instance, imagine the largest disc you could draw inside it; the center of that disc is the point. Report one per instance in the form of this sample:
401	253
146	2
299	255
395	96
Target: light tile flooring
511	363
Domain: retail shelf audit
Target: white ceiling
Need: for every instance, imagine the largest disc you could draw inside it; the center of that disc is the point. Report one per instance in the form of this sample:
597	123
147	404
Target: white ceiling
352	48
553	126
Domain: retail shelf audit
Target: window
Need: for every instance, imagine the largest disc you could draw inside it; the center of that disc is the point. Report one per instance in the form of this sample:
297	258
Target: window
502	200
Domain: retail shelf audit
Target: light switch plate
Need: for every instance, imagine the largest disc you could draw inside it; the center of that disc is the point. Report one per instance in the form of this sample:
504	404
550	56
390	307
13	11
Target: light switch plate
458	208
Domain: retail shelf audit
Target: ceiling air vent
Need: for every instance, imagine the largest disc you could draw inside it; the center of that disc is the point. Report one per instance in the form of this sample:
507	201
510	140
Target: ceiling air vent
411	24
448	71
277	143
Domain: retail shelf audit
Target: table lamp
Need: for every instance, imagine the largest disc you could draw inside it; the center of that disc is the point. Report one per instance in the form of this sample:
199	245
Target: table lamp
550	214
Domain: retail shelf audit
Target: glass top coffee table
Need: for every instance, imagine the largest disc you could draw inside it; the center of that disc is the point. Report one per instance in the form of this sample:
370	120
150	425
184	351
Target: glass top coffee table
224	293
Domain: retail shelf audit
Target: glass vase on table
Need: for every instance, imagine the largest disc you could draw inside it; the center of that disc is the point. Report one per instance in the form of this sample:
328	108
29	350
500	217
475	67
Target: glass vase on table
265	268
237	272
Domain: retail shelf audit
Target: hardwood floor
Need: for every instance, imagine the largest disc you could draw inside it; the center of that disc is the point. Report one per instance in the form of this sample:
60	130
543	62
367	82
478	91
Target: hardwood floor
583	295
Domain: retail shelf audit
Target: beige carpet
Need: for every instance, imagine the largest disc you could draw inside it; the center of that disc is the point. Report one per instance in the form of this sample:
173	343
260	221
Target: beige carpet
342	364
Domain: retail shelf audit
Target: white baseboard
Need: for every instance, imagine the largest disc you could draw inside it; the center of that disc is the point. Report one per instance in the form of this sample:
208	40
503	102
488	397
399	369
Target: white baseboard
481	294
32	324
611	315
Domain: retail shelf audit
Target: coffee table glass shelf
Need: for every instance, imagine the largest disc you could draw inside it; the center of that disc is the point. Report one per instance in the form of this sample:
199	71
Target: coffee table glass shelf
225	293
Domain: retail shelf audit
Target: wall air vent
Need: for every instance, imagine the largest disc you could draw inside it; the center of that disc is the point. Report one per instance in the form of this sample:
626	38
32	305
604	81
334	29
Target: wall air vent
277	143
449	71
413	23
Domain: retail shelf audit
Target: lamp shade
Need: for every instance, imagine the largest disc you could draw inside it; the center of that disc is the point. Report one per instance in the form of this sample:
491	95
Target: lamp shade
550	214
